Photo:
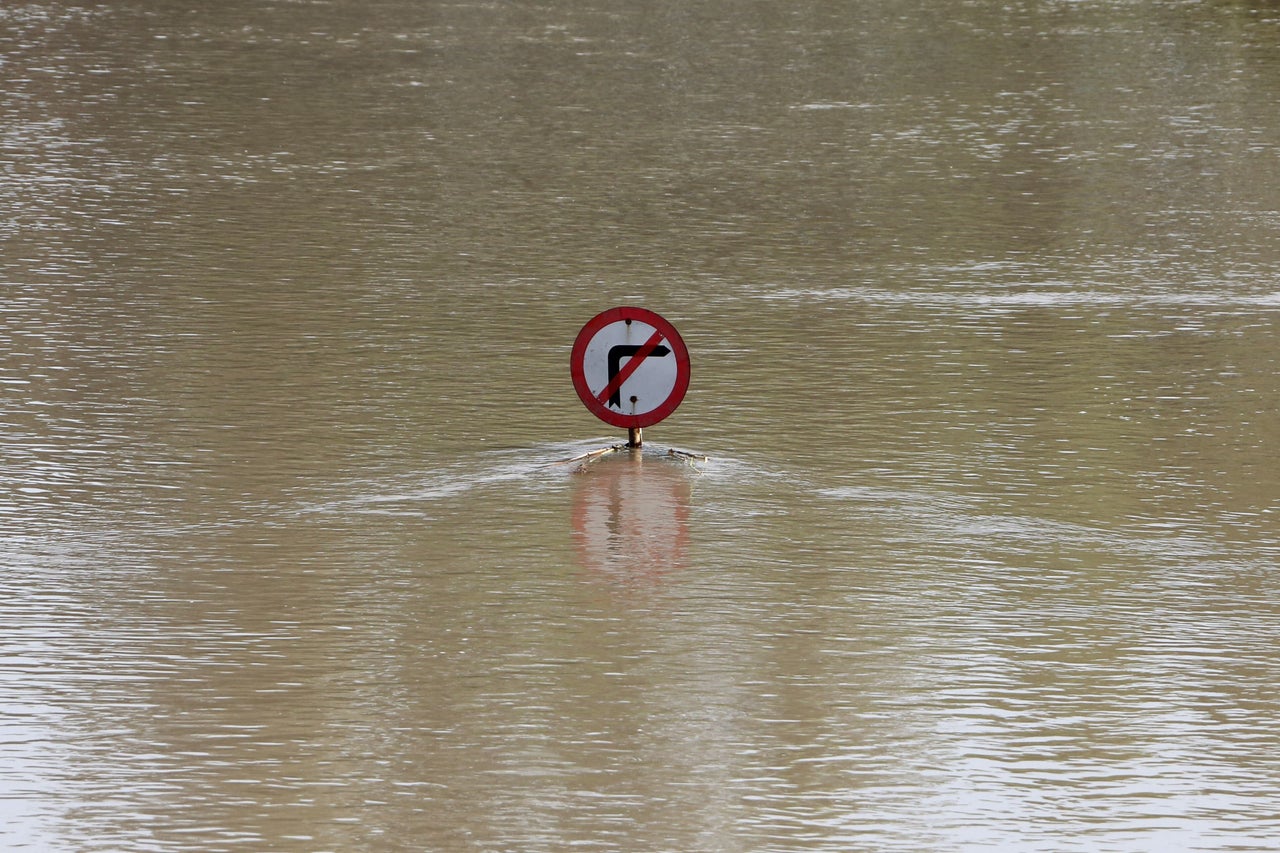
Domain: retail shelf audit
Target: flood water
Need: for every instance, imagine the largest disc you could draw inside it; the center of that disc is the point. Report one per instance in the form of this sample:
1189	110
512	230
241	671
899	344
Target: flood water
982	305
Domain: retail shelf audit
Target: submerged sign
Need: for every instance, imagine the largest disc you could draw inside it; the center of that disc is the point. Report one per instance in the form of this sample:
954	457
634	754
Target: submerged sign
629	367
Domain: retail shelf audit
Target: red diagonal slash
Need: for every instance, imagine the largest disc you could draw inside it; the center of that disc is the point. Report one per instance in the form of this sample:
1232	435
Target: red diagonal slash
624	373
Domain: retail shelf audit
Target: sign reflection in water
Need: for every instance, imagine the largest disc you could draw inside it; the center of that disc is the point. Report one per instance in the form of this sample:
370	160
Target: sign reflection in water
631	518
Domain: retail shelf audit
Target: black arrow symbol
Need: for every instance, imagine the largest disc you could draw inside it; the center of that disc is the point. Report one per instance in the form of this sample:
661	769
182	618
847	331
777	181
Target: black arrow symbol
617	354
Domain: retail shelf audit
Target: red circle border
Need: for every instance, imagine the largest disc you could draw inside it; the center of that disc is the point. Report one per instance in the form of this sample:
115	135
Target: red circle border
578	371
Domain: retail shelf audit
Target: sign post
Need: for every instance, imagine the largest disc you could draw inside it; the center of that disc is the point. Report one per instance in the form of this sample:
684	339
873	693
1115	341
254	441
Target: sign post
630	368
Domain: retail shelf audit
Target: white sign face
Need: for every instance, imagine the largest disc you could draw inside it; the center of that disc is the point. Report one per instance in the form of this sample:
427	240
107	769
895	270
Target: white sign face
630	367
611	351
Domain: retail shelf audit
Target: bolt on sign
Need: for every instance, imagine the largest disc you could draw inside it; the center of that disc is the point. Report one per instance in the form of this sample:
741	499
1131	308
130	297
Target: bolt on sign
629	367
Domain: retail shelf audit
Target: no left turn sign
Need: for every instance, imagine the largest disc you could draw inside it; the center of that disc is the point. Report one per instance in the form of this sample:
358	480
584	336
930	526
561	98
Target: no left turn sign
629	367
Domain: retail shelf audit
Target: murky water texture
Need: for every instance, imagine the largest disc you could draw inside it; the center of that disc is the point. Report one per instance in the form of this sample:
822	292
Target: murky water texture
982	308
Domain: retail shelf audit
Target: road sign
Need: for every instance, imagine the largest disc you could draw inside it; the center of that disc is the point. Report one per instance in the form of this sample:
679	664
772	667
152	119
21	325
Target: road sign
629	367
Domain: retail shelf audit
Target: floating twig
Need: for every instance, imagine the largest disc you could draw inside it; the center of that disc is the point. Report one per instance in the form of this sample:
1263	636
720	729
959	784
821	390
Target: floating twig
591	454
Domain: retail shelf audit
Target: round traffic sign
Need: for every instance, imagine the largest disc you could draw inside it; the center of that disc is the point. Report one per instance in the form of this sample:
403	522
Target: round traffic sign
630	367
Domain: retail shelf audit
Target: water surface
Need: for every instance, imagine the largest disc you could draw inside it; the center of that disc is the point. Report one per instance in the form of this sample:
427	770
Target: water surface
982	310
